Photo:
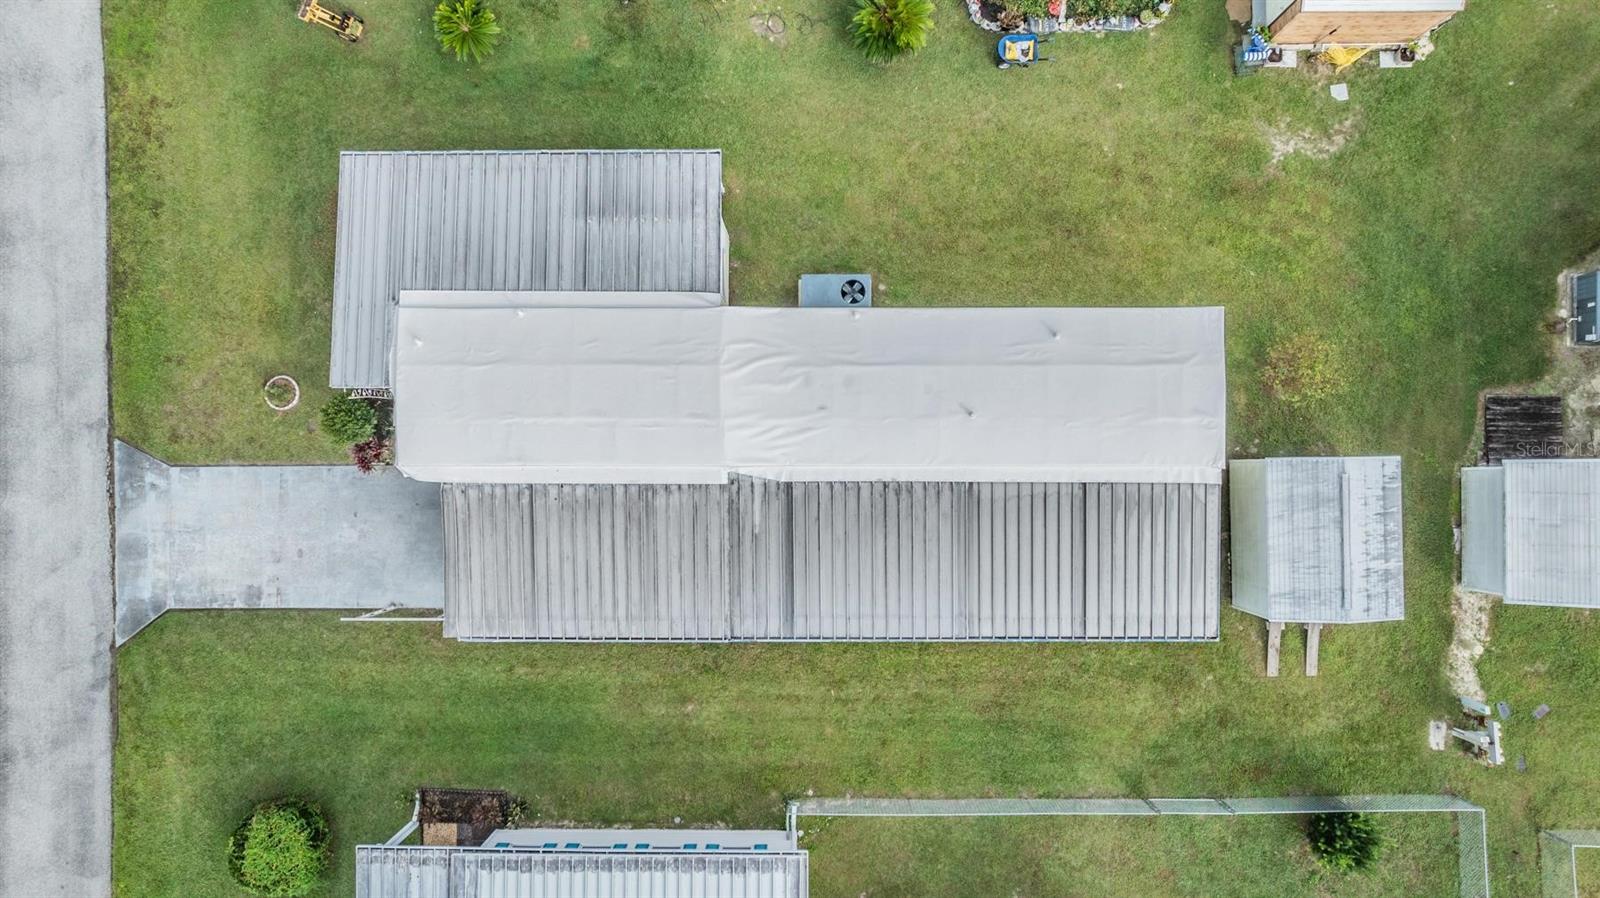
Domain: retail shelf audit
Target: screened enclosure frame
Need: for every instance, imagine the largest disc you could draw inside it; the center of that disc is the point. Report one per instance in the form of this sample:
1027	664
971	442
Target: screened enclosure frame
1558	859
1471	832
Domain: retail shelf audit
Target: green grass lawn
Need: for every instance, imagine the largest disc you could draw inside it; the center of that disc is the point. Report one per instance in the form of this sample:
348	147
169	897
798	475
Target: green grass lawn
1133	170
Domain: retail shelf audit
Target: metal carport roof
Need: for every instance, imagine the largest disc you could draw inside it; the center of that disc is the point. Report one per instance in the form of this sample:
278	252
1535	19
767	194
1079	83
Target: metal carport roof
421	872
586	220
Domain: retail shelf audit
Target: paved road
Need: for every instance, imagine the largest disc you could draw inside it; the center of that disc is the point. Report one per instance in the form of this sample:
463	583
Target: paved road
271	536
55	524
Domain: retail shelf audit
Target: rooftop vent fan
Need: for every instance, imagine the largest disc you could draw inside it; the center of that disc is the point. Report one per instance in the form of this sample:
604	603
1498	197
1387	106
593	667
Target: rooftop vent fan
835	291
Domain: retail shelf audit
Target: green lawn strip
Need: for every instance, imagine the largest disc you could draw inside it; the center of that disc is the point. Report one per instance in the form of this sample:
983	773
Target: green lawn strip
1118	856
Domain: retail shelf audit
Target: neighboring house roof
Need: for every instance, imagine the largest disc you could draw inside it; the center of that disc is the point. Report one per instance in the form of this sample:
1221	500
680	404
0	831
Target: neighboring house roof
1531	531
765	560
590	220
420	872
1317	540
692	395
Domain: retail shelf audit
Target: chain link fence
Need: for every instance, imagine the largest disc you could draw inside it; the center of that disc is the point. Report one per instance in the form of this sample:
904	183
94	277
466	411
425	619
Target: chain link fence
1471	833
1558	859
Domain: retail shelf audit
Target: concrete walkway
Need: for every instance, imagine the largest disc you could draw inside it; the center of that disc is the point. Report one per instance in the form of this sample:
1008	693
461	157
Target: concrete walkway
55	511
263	536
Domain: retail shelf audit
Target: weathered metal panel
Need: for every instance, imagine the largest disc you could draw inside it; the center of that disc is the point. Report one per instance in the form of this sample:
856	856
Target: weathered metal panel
402	872
832	561
411	871
1552	532
625	220
579	562
1483	529
1247	535
1319	540
506	874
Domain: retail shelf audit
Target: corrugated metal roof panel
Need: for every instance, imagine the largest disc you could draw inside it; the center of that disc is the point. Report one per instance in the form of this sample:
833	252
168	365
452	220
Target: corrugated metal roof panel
614	220
1483	529
1332	538
402	872
410	871
832	561
1552	530
497	874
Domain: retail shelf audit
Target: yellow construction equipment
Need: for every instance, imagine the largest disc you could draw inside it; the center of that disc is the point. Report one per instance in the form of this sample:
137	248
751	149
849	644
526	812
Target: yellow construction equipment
1342	58
347	25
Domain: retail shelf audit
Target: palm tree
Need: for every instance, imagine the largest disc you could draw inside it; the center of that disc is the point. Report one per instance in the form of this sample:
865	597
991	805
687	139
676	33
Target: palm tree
884	29
466	28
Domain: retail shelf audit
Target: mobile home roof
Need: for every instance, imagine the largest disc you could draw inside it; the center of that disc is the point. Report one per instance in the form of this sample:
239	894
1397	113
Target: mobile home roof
679	395
608	220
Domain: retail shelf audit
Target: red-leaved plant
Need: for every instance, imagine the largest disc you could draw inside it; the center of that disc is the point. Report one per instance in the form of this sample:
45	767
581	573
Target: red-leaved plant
369	454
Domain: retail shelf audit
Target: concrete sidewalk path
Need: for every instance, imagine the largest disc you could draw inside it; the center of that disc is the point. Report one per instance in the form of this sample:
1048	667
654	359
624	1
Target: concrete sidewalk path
271	536
55	506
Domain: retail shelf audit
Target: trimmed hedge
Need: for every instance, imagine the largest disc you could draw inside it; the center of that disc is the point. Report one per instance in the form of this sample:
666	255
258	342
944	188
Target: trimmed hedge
280	850
348	420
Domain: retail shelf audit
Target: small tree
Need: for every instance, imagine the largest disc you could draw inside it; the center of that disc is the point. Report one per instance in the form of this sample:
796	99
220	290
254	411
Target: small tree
1302	369
1344	842
466	29
280	850
884	29
347	419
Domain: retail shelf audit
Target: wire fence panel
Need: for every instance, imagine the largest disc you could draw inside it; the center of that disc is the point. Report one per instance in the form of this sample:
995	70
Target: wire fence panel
1471	838
1558	859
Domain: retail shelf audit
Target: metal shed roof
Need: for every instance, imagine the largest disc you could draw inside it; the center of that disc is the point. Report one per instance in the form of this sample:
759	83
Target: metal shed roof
763	560
419	872
590	220
1318	540
1552	532
679	395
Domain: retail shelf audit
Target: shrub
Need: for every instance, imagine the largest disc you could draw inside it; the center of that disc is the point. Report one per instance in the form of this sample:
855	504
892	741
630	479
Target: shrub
1344	842
884	29
368	454
1302	369
1103	9
1037	9
280	850
466	29
347	419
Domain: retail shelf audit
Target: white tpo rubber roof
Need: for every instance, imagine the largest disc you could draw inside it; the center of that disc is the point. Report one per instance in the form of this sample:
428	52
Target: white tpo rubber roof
490	392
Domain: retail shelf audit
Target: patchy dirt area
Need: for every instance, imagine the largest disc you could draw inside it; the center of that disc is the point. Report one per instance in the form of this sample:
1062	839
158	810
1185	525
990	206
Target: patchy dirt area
1575	371
1470	610
1239	11
1574	375
770	25
1286	142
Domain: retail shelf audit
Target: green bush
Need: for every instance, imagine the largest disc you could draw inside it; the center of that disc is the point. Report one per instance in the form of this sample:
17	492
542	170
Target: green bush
1302	369
347	419
884	29
1037	9
1344	842
280	850
466	29
1102	9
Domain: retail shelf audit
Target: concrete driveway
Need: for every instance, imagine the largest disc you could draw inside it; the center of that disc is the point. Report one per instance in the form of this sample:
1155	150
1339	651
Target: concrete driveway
55	522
